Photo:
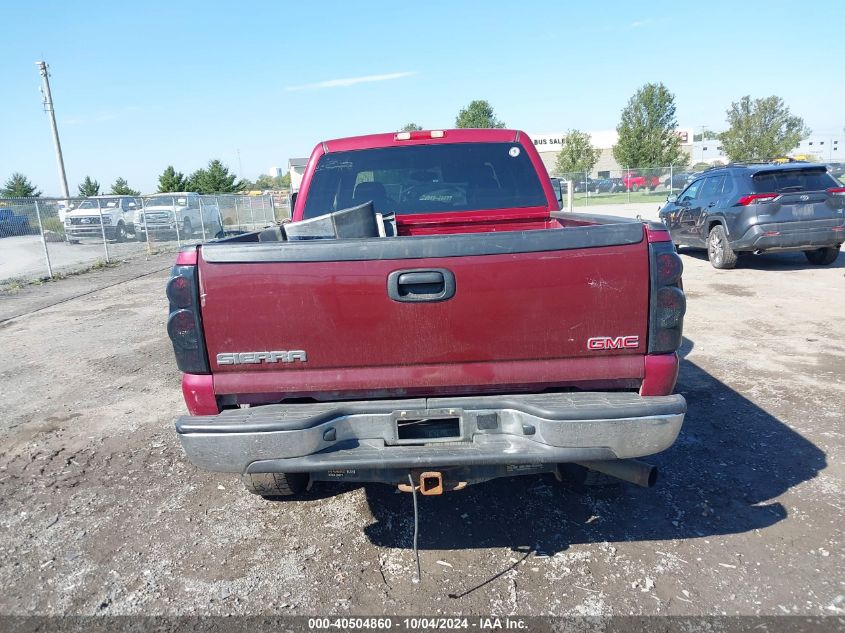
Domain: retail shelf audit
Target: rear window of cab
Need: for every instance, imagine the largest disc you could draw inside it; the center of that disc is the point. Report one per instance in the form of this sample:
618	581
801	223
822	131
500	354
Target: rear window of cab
432	178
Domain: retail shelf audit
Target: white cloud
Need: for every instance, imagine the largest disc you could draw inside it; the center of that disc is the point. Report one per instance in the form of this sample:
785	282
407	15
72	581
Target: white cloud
350	81
640	23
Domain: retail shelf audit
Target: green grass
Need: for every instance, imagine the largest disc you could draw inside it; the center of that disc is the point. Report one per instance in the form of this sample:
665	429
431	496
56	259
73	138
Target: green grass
16	284
581	199
53	224
13	286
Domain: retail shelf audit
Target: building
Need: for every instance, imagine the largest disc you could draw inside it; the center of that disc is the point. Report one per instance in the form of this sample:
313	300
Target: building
296	169
549	146
825	149
709	151
274	172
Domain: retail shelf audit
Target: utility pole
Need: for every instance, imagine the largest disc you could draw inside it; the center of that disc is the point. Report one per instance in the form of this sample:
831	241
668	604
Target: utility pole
48	108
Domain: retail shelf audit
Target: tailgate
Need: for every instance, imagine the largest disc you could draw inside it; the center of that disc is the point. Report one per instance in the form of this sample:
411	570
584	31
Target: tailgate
806	194
371	318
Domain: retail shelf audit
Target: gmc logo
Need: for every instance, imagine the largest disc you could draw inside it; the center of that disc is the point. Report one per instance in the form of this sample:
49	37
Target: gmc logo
613	342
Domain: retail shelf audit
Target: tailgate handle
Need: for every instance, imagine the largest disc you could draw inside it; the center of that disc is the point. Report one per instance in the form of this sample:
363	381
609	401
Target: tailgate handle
416	285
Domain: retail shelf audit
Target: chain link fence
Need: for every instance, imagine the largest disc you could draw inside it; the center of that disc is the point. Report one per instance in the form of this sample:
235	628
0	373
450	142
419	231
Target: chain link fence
624	186
41	238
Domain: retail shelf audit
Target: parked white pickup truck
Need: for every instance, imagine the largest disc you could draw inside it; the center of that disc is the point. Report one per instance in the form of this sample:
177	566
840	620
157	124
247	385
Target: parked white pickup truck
182	214
117	214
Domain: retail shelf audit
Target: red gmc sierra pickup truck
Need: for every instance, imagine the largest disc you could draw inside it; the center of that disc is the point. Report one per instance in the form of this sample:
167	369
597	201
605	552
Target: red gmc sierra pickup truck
428	319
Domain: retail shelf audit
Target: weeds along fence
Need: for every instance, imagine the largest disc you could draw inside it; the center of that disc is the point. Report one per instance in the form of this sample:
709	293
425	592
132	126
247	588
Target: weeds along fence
44	237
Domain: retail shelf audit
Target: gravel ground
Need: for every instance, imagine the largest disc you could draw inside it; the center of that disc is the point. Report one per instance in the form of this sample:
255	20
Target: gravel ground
102	514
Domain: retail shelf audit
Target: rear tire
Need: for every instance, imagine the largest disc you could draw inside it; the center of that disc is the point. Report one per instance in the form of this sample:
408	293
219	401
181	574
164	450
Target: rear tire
187	229
719	250
822	256
120	234
275	485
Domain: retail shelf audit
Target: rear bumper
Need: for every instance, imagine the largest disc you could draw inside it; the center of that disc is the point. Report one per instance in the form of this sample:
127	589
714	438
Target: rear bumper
326	438
799	235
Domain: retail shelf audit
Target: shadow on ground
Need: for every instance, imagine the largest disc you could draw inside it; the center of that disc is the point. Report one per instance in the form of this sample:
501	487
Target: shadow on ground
730	461
767	261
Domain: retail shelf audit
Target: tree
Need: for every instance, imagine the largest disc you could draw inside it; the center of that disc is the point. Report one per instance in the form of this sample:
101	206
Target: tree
647	136
411	127
121	188
266	181
478	114
215	179
577	154
171	180
761	129
89	187
19	186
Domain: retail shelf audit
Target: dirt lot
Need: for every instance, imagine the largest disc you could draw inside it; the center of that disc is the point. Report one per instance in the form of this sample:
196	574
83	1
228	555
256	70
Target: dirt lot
101	512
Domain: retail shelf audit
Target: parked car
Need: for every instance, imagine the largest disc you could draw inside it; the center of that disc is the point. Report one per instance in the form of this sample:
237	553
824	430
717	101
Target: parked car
334	349
180	214
635	182
679	179
579	185
582	185
63	207
756	208
13	224
608	185
837	170
117	214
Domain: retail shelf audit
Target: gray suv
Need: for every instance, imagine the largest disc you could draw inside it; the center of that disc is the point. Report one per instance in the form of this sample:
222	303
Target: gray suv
760	207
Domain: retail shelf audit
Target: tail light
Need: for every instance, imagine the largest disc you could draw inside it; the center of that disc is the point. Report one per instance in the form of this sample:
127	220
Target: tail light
184	325
182	329
180	291
757	198
667	302
836	191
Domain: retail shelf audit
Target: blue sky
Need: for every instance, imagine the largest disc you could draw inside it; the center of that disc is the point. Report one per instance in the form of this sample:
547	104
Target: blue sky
138	86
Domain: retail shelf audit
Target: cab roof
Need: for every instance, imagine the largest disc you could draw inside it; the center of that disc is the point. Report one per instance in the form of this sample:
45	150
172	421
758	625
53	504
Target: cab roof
423	137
